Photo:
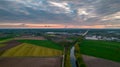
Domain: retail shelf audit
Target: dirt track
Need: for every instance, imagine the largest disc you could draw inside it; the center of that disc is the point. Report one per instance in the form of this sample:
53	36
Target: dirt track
30	62
98	62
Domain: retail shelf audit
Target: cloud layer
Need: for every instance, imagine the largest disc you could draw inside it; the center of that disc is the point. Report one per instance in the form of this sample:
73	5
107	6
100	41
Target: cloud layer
78	13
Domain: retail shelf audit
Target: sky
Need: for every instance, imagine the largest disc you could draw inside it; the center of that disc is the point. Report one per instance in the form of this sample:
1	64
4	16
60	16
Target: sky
60	14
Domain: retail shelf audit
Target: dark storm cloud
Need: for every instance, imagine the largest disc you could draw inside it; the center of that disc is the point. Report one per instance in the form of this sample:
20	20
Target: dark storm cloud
59	11
106	7
35	16
15	11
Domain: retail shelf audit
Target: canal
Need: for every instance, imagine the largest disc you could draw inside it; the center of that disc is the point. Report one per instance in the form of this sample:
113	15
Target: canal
72	57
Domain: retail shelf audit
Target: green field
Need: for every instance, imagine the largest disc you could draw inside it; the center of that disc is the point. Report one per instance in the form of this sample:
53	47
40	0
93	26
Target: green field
44	43
5	39
102	49
33	48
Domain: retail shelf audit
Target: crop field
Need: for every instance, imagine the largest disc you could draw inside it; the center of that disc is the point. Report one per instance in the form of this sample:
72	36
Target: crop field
32	53
5	39
31	62
44	43
2	45
91	61
9	44
101	49
30	38
30	50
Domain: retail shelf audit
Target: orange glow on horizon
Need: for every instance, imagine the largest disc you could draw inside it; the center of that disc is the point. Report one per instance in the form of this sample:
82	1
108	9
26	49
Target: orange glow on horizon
21	25
94	26
44	25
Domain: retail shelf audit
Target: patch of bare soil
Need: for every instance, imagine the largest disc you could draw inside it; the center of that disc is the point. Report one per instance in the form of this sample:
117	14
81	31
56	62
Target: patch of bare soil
30	62
99	62
30	38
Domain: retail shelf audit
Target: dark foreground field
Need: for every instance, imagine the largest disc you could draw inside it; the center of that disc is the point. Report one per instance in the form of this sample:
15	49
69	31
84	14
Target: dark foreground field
98	62
31	62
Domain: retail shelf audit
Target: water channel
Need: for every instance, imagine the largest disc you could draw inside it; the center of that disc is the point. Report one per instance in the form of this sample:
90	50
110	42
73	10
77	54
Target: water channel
72	57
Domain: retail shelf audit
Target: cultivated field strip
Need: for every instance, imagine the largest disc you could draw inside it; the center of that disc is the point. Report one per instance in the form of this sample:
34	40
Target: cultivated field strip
30	38
12	51
25	49
31	62
9	45
43	43
99	62
2	45
6	38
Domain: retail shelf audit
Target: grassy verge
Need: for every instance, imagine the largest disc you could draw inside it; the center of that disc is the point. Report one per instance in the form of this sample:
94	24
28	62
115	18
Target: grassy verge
101	49
78	56
67	58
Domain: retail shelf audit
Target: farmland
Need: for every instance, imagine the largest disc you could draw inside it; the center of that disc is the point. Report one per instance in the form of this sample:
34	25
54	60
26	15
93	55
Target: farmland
31	53
91	61
30	50
5	39
44	43
34	48
31	62
2	45
9	44
103	49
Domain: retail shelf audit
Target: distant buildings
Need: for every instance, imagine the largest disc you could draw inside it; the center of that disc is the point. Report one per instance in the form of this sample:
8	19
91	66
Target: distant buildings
91	38
95	37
